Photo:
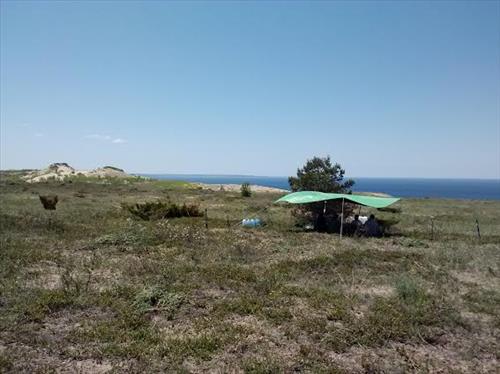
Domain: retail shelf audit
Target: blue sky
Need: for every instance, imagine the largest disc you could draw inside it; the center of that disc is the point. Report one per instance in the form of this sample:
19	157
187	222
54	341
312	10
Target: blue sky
399	89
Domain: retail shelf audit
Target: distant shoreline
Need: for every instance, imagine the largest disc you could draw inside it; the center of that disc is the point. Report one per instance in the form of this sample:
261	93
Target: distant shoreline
236	187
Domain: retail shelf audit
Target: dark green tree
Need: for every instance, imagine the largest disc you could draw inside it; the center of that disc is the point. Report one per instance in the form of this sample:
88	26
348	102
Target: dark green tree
319	174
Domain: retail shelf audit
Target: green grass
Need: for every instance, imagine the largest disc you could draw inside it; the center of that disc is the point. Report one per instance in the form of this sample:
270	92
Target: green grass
91	284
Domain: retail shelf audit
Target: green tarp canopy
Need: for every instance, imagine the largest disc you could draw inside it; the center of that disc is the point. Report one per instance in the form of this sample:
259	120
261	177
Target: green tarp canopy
304	197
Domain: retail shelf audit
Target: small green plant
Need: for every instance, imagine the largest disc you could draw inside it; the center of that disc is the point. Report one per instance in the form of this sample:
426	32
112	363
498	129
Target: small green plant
44	302
261	366
5	362
156	299
484	301
409	291
246	191
201	346
76	277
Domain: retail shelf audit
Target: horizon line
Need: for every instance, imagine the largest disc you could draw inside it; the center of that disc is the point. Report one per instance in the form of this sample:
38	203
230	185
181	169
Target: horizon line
283	176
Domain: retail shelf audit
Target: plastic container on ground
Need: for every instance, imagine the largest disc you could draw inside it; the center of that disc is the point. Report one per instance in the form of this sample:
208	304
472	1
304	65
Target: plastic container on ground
252	222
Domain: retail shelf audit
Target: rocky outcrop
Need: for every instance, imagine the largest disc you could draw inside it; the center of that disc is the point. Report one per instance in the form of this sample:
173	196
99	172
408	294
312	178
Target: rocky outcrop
108	172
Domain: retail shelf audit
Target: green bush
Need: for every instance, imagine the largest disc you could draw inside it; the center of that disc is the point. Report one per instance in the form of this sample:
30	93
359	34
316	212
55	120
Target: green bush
45	302
409	291
246	191
5	362
162	209
320	174
156	299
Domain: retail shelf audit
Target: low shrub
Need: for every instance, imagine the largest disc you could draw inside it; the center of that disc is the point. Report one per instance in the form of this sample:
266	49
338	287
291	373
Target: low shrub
246	191
6	362
44	302
261	366
484	301
155	299
200	346
409	291
49	202
162	209
388	225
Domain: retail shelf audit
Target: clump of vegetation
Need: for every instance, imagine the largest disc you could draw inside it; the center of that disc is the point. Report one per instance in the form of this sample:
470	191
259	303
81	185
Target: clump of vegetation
49	202
113	168
43	302
319	174
484	301
5	363
153	210
156	299
388	225
126	238
409	291
246	191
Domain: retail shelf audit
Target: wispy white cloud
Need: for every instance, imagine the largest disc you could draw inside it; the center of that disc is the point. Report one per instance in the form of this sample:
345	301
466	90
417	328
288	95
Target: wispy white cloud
106	138
28	128
98	137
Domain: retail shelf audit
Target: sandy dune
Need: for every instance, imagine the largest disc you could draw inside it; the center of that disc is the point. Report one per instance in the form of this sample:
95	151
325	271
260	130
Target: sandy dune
61	170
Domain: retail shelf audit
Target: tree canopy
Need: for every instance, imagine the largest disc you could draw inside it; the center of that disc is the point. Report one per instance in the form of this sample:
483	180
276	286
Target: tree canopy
319	174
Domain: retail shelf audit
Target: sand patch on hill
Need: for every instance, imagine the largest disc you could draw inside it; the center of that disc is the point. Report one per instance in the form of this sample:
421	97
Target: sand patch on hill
237	188
61	170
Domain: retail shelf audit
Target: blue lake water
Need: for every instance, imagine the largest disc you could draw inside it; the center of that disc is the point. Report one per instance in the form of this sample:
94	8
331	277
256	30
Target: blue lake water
477	189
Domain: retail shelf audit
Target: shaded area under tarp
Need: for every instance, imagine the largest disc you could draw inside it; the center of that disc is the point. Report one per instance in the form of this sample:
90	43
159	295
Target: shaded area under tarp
305	197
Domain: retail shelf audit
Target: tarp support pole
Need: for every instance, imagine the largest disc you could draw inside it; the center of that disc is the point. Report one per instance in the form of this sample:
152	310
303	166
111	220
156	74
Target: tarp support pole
342	219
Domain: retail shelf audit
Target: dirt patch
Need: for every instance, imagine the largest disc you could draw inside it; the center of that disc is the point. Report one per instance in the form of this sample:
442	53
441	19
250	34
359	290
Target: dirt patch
45	275
477	279
382	291
262	340
88	366
451	355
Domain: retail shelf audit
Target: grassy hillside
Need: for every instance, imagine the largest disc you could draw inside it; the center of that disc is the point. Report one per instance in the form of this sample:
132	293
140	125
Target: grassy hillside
89	288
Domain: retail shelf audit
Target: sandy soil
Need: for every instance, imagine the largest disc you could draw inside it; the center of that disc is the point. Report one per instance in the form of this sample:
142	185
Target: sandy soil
237	187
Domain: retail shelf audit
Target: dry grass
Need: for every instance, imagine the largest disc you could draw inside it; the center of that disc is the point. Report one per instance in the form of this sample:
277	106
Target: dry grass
95	290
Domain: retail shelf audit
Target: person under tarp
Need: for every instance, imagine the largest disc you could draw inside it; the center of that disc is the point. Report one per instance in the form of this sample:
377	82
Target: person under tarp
372	228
